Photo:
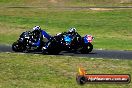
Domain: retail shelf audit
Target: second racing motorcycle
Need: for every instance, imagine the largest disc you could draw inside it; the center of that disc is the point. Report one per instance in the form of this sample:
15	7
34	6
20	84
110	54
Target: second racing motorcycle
67	42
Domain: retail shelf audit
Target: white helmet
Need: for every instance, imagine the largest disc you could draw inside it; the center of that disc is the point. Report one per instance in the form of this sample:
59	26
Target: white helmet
36	28
72	30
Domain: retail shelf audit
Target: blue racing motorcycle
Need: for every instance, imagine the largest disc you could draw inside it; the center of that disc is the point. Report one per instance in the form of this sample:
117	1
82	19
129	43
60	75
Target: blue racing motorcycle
67	42
23	44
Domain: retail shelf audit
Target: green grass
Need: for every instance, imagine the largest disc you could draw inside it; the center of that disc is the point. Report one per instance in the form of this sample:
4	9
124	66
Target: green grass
111	29
65	3
41	71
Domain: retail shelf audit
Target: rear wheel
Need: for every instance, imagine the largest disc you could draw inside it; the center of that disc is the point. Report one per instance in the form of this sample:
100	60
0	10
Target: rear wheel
87	48
53	48
18	47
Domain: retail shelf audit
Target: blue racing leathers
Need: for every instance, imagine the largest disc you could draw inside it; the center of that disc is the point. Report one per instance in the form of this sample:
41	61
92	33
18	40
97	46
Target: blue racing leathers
43	35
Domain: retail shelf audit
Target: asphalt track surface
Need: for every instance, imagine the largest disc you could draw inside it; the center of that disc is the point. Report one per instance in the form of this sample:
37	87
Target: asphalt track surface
110	54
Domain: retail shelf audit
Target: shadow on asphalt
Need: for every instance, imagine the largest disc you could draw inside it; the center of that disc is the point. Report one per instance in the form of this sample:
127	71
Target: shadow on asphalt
111	54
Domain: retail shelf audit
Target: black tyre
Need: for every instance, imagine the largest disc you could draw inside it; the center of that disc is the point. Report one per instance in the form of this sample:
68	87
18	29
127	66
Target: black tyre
87	48
54	52
54	49
18	47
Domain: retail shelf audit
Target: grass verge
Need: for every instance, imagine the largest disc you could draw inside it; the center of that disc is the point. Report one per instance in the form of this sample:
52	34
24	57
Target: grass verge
111	29
65	3
42	71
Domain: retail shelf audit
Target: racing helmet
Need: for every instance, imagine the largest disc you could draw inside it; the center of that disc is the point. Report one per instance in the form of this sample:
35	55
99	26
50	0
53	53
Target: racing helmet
36	30
72	30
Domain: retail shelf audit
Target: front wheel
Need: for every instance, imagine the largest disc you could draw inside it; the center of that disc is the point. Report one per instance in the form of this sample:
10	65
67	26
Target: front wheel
18	47
87	48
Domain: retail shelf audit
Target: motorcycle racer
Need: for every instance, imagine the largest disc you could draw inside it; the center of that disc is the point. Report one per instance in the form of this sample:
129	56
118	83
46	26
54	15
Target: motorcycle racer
76	38
39	36
72	32
75	34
